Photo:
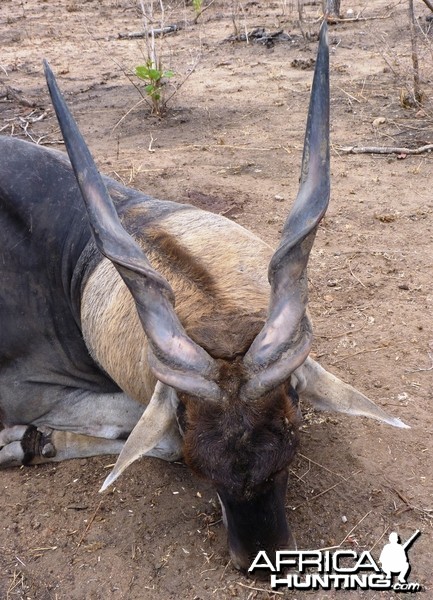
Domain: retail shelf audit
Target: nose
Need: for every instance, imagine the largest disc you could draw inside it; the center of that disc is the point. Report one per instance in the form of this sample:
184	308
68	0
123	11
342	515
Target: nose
242	559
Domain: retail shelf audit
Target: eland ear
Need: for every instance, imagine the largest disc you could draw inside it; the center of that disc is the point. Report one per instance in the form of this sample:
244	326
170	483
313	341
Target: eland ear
157	426
326	392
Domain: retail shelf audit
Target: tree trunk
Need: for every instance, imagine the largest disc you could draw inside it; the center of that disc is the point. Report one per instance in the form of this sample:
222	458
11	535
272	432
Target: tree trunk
331	8
417	93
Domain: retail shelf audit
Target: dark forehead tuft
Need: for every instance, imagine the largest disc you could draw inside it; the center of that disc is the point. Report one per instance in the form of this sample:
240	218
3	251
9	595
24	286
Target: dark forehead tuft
239	446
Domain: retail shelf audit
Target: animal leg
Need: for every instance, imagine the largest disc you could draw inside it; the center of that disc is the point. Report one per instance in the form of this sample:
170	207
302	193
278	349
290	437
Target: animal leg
109	416
30	445
27	444
72	425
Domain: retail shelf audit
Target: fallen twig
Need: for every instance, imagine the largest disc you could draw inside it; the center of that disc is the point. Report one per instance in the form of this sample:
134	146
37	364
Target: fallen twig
400	495
428	512
348	535
384	149
310	460
256	589
332	20
133	35
430	368
378	540
339	335
152	139
354	276
342	480
89	524
348	356
130	111
157	31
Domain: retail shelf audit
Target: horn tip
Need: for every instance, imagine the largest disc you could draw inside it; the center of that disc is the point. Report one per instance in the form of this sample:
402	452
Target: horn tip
49	75
395	422
47	68
109	480
398	423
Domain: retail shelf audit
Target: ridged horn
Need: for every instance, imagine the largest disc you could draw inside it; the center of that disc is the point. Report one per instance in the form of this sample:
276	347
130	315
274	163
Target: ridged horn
285	340
174	358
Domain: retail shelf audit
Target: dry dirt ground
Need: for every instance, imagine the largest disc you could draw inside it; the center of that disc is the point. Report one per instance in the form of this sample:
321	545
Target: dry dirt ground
231	142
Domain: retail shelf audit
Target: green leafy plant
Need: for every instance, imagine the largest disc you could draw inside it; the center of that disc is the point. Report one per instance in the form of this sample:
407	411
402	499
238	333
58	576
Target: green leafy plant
154	79
197	5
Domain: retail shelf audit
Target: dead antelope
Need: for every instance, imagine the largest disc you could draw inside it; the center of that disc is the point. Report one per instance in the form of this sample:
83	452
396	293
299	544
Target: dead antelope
93	352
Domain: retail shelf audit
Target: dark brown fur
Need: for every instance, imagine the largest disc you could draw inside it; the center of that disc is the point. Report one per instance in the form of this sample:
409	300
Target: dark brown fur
179	260
238	445
213	325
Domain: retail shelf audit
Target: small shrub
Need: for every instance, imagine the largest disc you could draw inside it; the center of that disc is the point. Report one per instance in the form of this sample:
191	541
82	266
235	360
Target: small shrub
154	79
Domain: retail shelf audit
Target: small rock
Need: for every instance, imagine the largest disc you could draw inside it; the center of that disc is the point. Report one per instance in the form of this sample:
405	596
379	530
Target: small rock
279	198
379	121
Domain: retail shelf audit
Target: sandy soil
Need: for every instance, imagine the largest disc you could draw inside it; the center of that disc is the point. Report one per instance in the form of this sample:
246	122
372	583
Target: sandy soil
231	142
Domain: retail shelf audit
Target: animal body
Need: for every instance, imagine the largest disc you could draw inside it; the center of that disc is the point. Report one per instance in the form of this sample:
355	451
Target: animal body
96	357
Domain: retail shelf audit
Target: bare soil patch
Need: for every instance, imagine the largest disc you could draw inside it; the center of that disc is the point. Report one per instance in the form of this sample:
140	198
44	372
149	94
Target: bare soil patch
232	143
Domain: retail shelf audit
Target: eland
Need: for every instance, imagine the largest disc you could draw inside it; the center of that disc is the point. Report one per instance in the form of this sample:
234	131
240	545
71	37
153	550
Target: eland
139	327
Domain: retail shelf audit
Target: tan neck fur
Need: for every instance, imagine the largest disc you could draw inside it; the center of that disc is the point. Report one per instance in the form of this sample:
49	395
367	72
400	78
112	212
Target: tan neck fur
113	332
218	273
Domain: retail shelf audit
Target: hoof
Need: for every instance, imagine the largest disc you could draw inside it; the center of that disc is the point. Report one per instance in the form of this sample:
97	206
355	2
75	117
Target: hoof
24	444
